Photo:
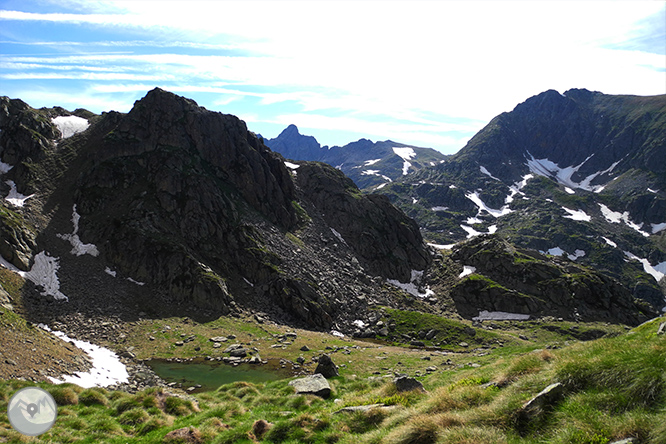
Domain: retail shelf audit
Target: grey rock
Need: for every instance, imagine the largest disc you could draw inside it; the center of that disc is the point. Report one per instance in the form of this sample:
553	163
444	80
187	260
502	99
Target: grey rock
431	334
417	343
315	384
305	348
218	339
238	353
406	384
326	367
537	407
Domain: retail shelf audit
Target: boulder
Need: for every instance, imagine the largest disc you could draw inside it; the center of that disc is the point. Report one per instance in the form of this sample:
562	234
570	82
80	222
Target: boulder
189	435
406	384
326	367
535	410
314	385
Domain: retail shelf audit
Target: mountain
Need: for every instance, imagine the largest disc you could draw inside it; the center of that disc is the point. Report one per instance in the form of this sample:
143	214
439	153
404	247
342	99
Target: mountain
580	175
174	209
369	164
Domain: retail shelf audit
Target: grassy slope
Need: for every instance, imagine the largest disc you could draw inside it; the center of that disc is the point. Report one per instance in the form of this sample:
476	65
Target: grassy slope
616	388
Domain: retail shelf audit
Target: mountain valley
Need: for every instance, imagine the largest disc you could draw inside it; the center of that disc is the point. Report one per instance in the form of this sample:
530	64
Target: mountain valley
535	255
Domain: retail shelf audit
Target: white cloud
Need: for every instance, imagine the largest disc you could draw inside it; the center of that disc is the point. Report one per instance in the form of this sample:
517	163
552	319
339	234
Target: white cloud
419	61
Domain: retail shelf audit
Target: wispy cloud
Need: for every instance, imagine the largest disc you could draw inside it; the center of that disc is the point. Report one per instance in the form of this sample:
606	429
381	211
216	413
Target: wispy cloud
350	65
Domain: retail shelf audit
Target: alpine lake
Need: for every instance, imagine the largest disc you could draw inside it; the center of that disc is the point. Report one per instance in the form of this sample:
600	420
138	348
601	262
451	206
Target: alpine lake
206	375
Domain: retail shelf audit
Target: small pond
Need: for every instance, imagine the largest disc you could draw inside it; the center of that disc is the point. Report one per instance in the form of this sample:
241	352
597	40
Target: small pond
212	374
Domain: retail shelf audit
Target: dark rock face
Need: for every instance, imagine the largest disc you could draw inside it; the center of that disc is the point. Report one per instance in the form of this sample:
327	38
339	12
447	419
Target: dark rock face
526	282
407	384
386	241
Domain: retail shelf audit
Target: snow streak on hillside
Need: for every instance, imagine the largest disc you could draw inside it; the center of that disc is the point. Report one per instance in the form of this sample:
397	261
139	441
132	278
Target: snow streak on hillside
406	154
548	168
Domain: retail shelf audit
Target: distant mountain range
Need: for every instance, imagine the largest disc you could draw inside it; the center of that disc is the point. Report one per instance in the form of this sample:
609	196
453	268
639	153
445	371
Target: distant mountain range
367	163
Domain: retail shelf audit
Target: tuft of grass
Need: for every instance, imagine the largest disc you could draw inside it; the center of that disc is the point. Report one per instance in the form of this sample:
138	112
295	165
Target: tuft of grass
419	430
64	395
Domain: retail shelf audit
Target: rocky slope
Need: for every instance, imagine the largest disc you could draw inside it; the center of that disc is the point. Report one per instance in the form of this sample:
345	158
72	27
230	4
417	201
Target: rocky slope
369	164
172	208
579	175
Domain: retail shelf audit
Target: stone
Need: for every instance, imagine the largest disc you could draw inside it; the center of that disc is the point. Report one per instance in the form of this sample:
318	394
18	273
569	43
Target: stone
383	331
218	339
326	367
314	384
179	344
626	441
662	328
464	344
238	353
305	348
404	383
360	408
417	344
537	407
431	334
232	347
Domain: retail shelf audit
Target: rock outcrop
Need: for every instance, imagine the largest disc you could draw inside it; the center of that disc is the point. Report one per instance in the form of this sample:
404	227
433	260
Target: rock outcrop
525	282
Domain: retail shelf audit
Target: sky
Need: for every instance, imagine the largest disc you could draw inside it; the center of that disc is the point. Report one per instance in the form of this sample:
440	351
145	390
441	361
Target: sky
426	73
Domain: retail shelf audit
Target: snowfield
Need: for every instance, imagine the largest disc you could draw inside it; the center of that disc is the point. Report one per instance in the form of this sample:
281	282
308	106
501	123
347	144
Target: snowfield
106	367
474	197
577	215
615	217
412	287
14	197
467	270
406	154
44	273
500	316
70	125
548	168
78	247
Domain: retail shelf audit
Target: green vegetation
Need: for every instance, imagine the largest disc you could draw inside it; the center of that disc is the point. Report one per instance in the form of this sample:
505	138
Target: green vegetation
614	388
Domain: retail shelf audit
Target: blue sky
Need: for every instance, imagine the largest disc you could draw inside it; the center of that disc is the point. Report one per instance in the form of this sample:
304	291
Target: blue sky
428	73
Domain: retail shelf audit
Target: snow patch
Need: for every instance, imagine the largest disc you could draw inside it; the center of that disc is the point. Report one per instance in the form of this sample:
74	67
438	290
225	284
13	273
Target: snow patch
110	272
44	274
414	200
569	190
452	187
371	162
439	208
656	228
474	197
106	366
78	247
649	189
615	217
406	154
500	316
657	271
290	165
609	242
473	220
467	270
358	323
557	251
442	247
412	287
338	235
14	197
375	173
70	125
516	187
5	167
380	186
141	284
487	173
337	334
577	215
548	168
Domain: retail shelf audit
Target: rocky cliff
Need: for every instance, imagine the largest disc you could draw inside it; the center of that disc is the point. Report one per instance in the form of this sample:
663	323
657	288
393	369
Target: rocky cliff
172	208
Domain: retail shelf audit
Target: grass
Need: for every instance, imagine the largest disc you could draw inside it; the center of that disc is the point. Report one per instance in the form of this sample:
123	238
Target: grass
615	388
